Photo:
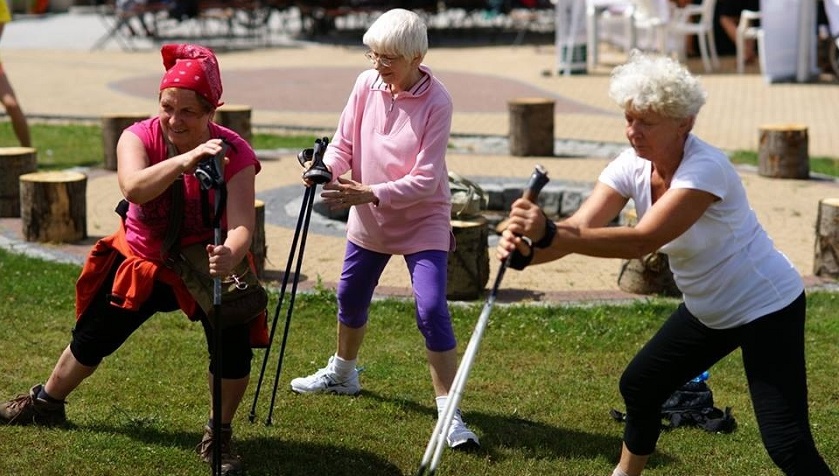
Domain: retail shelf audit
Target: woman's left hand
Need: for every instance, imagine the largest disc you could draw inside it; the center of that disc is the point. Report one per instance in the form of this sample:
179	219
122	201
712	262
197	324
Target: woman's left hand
509	242
345	193
222	260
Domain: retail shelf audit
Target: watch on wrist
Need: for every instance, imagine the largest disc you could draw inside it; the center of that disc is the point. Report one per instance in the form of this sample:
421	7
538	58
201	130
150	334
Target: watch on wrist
519	261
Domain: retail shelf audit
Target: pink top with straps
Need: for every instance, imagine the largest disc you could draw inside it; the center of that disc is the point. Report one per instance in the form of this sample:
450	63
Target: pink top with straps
146	224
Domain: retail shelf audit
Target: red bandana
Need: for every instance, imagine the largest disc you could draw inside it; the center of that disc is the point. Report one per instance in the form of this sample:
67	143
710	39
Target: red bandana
192	67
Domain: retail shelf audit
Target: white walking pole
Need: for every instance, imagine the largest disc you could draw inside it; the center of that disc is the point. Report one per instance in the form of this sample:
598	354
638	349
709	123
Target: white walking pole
437	443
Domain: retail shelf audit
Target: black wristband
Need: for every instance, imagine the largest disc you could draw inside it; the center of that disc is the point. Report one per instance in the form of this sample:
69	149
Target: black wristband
550	233
518	261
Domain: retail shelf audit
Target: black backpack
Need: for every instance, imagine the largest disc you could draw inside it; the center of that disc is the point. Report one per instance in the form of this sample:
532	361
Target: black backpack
692	405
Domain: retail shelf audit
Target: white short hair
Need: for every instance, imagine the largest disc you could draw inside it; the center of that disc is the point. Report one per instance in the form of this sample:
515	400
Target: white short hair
656	83
398	32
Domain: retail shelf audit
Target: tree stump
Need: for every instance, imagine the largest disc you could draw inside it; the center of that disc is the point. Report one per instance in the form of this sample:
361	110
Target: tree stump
531	127
53	206
649	275
259	249
112	127
783	151
14	161
236	118
468	264
826	259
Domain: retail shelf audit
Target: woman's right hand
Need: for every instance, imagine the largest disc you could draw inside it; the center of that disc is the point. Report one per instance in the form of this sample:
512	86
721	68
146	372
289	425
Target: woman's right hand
205	150
308	182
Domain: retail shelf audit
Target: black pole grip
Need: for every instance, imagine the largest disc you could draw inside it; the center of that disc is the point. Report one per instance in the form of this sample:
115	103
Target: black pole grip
538	179
317	172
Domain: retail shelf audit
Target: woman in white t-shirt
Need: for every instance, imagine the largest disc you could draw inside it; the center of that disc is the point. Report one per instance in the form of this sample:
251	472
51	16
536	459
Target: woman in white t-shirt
738	290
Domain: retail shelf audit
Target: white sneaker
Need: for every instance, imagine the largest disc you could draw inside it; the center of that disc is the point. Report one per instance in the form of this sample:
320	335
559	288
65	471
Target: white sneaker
326	380
461	437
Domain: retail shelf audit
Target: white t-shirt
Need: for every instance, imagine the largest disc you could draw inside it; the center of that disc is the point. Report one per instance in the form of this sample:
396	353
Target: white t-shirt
725	264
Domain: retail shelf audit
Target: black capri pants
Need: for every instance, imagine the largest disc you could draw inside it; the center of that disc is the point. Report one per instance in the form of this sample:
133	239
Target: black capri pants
103	328
773	359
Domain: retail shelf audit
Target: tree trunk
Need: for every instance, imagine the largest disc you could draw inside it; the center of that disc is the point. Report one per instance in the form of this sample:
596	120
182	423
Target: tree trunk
14	161
259	249
531	127
783	151
648	275
468	265
826	259
236	118
112	127
53	206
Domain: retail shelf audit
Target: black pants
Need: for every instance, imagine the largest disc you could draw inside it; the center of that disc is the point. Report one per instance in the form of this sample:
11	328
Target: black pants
103	328
773	358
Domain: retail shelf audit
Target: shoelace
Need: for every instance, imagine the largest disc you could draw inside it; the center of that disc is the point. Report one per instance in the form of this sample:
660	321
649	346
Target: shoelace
205	447
329	375
20	401
331	378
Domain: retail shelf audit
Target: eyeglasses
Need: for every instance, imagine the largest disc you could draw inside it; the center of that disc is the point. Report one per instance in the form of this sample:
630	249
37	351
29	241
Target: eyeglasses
386	61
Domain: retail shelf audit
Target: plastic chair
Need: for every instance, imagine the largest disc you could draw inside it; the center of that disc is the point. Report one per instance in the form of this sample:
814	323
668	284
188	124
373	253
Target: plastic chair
651	16
629	16
612	11
747	29
682	25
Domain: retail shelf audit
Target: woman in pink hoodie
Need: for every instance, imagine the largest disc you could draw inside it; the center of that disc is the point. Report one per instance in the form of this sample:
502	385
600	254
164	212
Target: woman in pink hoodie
392	138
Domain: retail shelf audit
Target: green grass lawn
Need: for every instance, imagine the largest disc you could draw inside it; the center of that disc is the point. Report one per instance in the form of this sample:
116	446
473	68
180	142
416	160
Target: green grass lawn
538	395
820	165
62	146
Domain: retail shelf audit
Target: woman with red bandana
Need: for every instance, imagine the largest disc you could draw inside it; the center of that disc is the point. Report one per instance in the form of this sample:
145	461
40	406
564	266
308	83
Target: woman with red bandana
125	279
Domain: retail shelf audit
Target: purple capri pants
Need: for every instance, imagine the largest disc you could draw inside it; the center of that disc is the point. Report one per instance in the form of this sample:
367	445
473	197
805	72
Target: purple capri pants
428	270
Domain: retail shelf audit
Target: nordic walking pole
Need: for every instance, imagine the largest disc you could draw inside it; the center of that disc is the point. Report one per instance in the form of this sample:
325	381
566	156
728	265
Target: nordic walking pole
217	355
434	450
317	173
210	174
291	256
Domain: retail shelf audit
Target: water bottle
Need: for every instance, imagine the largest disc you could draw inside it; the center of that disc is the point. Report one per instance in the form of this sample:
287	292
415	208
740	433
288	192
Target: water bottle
701	377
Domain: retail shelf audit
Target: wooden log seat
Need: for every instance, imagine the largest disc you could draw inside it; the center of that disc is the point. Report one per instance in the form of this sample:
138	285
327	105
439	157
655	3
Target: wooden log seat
826	258
259	248
648	275
235	117
112	126
468	264
14	161
531	127
53	206
783	151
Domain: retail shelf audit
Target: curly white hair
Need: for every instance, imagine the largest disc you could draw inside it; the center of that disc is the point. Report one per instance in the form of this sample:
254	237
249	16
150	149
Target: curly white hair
656	83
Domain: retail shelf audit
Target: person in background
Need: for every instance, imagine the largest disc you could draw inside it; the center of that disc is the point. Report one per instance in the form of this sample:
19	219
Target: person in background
125	280
739	291
392	137
7	94
729	16
690	47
